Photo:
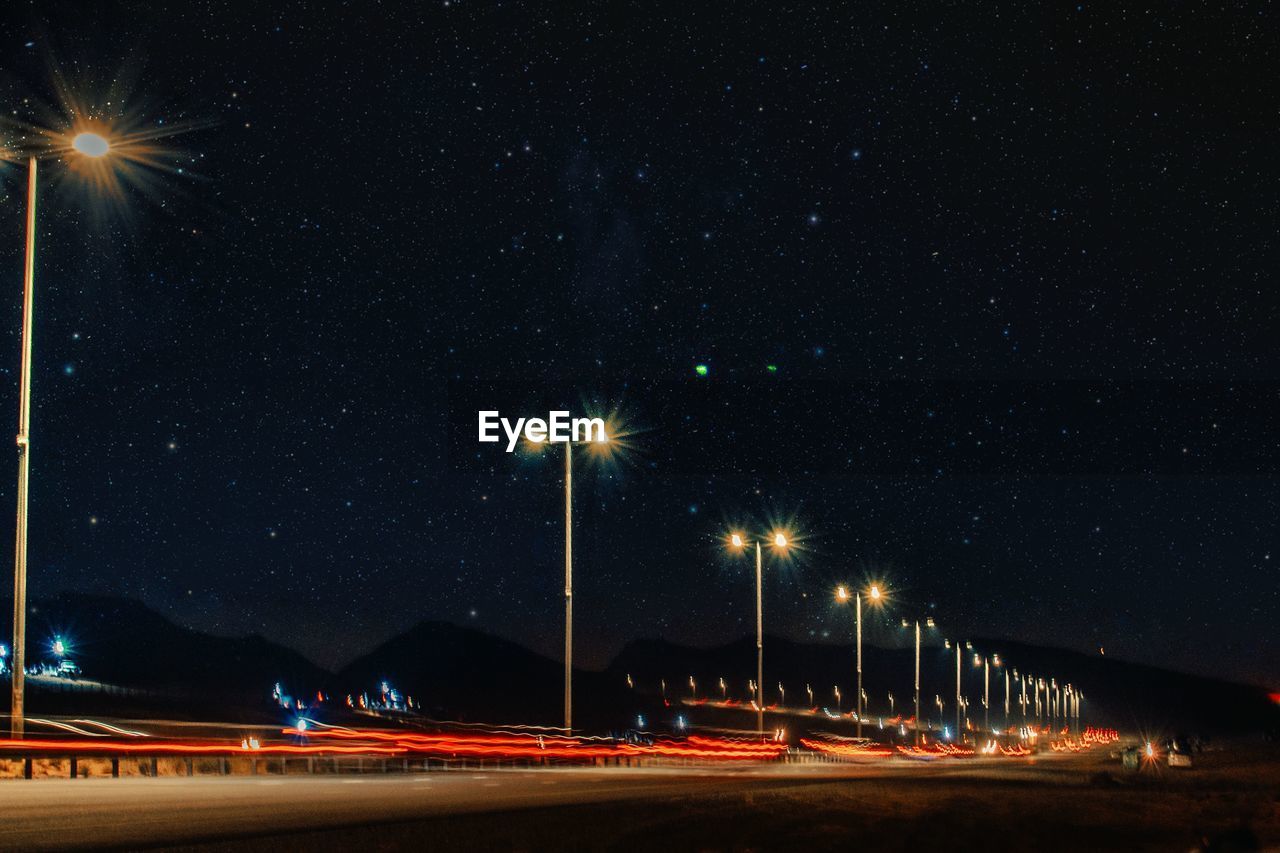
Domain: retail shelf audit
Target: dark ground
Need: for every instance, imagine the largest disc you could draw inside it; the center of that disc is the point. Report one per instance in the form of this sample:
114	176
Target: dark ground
1229	801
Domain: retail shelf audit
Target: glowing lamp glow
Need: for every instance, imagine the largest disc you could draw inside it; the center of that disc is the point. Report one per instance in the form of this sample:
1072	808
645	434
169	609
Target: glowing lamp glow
842	593
91	144
779	540
875	592
736	540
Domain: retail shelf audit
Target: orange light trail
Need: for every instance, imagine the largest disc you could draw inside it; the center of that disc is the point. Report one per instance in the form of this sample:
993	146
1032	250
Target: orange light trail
173	748
847	749
514	746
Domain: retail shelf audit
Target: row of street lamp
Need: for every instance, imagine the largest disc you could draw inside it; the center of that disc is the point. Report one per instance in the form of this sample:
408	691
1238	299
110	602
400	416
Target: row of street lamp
1061	702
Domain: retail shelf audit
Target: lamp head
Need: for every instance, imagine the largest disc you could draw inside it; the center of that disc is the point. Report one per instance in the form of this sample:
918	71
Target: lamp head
91	144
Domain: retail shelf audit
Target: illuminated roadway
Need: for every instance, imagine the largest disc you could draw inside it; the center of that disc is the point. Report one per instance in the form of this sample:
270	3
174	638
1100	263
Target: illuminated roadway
130	812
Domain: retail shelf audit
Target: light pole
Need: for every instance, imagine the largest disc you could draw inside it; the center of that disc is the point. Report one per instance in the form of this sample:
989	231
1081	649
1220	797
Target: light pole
959	706
1007	721
599	441
779	541
568	587
928	624
985	663
986	694
84	144
842	596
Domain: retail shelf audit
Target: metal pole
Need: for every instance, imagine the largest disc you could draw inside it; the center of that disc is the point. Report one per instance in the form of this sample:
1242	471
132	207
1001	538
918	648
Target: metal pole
759	648
1006	697
917	682
568	587
858	699
958	730
18	679
986	694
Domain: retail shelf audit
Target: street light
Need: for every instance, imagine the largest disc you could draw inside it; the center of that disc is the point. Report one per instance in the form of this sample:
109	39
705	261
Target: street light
959	700
875	594
91	144
985	663
94	146
778	539
601	442
928	622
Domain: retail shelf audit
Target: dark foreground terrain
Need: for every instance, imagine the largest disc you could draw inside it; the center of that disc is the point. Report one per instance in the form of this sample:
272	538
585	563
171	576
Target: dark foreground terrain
1229	801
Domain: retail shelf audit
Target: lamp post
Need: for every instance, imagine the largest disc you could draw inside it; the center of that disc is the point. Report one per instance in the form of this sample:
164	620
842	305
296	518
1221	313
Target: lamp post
985	663
928	624
842	596
568	587
599	441
959	703
85	144
779	541
986	694
1006	698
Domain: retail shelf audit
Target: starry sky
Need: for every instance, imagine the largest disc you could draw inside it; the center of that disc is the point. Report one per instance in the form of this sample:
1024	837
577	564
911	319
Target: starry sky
983	299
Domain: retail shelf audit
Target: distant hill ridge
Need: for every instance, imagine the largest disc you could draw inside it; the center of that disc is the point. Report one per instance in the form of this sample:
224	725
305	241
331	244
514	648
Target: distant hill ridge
461	673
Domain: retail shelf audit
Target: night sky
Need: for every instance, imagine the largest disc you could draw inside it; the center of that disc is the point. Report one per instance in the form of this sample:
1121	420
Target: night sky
985	297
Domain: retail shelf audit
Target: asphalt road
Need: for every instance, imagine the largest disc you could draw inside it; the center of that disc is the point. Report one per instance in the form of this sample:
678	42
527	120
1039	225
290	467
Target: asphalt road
130	813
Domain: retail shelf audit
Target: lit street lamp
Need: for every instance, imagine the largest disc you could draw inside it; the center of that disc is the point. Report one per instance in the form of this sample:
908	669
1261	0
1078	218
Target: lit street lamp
985	663
601	442
84	144
928	622
842	596
959	700
779	541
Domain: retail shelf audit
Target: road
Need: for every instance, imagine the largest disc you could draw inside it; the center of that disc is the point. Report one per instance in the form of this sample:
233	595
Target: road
102	812
1045	803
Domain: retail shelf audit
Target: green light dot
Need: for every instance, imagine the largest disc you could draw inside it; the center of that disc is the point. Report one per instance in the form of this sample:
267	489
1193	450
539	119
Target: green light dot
772	368
701	369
